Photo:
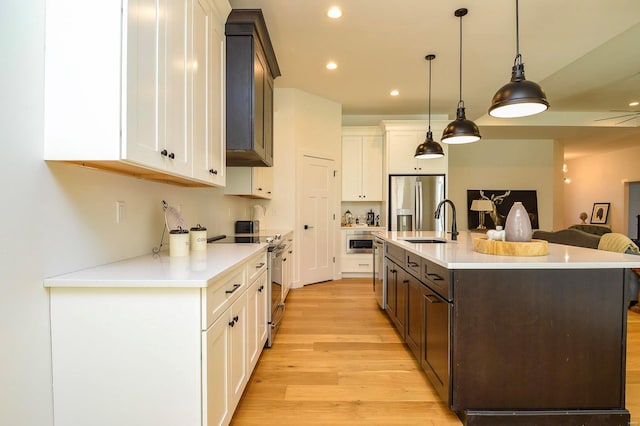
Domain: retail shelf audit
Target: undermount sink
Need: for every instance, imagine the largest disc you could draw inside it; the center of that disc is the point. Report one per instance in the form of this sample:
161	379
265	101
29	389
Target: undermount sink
423	240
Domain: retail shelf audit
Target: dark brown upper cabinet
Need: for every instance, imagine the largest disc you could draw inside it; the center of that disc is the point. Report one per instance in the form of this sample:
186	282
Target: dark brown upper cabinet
251	69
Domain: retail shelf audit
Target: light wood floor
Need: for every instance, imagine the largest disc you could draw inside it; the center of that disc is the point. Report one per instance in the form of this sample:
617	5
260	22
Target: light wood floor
337	360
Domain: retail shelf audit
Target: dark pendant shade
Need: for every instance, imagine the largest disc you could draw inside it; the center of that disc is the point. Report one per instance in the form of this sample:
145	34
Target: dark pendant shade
429	148
461	130
519	97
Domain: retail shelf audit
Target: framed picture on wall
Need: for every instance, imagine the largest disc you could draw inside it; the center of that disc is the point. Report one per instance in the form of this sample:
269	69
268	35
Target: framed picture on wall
600	213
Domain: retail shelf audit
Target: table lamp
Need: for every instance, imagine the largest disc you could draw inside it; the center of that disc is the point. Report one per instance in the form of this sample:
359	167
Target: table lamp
481	206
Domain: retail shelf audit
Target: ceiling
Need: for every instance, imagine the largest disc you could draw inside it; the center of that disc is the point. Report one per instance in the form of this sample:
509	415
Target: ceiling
584	53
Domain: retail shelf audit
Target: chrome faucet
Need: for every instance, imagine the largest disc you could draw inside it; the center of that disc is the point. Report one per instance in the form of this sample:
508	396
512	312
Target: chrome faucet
454	227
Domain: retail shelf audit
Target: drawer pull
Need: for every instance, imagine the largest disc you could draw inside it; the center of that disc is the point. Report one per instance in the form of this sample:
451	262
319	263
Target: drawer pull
260	265
235	287
235	318
435	277
412	264
261	288
432	299
232	323
363	264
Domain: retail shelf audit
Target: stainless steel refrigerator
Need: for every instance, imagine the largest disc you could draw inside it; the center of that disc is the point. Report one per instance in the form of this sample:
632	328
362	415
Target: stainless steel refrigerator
413	200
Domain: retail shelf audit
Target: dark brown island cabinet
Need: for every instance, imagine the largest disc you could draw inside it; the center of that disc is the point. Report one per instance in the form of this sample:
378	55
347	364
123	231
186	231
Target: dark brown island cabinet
251	67
515	346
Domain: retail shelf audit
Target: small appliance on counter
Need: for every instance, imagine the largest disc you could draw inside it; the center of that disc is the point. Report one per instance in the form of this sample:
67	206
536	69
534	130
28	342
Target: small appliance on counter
371	218
247	227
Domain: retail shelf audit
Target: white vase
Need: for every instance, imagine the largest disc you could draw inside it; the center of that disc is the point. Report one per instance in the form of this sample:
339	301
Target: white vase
518	225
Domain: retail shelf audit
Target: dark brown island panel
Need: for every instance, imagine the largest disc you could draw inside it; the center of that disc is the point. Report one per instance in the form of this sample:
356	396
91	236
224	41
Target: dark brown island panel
515	346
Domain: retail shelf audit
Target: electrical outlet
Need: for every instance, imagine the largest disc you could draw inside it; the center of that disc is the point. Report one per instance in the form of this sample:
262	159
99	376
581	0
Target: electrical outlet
121	212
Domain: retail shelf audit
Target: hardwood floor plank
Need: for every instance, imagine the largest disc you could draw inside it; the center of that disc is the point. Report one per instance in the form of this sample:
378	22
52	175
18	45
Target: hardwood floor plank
337	360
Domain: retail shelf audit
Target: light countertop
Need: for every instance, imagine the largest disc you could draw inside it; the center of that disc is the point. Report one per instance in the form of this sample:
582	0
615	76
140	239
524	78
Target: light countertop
161	270
460	255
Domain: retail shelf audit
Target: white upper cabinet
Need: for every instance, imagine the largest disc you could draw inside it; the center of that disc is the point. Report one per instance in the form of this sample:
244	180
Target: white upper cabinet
403	137
139	90
362	159
209	93
250	182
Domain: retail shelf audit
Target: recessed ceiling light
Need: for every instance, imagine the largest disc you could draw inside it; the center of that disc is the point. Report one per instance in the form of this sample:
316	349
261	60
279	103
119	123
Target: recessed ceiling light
332	65
394	93
335	12
634	103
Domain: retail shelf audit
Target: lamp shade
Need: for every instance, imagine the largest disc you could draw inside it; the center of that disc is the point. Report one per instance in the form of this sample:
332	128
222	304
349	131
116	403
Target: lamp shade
519	97
429	148
461	130
481	205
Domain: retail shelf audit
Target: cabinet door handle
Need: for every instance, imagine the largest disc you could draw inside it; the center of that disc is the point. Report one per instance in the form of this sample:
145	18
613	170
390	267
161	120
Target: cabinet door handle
235	287
435	277
432	299
412	264
164	152
232	323
259	265
236	318
172	156
259	189
213	171
261	288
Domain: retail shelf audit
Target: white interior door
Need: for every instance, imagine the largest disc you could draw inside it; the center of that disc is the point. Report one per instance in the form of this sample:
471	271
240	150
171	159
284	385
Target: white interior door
317	219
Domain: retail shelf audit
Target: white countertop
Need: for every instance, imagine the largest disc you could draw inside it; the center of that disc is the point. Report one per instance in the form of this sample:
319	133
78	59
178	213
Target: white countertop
161	270
460	255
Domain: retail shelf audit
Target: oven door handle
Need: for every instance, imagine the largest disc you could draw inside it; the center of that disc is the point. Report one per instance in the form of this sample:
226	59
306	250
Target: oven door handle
276	323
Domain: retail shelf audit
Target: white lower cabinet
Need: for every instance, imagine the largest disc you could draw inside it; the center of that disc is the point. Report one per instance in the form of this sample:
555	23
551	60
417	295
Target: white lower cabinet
257	320
159	356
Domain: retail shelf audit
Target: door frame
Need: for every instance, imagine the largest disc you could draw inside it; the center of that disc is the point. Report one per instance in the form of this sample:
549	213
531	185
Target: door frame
336	197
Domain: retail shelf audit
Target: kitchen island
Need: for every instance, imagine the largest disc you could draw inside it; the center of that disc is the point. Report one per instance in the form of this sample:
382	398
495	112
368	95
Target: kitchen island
514	340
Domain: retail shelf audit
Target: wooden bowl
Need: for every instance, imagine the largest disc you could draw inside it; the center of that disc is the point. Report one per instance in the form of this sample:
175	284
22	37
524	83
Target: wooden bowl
511	248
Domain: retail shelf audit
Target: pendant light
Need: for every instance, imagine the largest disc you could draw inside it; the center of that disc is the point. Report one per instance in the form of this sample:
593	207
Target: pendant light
429	148
461	130
519	97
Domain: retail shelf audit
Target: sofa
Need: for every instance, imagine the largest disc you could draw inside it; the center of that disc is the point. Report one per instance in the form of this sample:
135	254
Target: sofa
577	235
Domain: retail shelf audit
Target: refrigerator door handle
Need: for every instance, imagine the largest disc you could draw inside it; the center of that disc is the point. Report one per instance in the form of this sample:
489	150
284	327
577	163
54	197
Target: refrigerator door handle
418	206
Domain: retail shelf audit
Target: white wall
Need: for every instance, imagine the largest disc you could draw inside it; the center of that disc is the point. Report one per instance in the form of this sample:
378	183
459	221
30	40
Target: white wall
504	164
602	178
59	218
303	124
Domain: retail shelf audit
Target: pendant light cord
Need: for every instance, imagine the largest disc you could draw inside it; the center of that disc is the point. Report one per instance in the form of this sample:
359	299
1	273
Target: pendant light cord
430	94
460	102
517	31
518	60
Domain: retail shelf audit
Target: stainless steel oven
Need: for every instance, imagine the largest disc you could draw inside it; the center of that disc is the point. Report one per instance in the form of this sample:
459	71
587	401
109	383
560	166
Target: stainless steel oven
276	257
359	241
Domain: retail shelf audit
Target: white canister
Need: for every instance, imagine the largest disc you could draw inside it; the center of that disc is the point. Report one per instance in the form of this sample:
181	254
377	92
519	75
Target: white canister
198	238
178	242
